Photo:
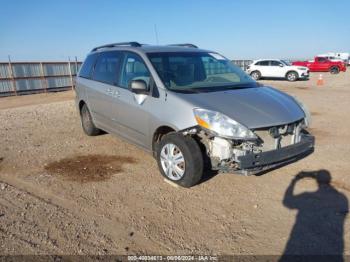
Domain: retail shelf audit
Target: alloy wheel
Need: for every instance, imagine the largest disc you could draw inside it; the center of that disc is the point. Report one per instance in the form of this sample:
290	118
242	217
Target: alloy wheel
255	76
291	77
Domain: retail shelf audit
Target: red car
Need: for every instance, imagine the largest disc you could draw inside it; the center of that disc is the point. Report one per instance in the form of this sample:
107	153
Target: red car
322	64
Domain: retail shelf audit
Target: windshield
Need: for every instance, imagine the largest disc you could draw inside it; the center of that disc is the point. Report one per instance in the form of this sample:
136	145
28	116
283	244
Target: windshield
199	70
286	63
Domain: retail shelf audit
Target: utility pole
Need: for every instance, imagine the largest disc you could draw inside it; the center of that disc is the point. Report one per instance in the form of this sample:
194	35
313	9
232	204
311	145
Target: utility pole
14	88
70	73
76	66
44	80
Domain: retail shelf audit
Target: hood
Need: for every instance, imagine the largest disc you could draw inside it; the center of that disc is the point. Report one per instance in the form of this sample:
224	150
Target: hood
295	67
253	107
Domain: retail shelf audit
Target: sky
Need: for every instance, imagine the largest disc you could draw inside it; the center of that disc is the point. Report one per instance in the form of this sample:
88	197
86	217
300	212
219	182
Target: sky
55	30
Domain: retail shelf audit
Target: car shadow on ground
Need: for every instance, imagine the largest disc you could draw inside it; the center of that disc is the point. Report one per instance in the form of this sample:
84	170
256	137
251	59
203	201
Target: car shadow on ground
282	79
207	175
318	232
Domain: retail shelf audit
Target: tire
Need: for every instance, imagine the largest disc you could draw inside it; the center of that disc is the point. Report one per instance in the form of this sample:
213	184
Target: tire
256	75
292	76
86	121
334	70
189	169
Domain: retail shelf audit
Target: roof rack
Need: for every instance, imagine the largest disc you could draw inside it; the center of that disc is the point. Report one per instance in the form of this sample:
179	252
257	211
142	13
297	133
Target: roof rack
134	44
185	45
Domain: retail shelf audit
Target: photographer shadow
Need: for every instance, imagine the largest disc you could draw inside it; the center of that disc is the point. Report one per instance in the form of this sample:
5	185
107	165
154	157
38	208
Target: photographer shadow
319	225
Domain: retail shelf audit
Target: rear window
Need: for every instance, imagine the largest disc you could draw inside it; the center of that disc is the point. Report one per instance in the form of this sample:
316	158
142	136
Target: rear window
107	68
86	69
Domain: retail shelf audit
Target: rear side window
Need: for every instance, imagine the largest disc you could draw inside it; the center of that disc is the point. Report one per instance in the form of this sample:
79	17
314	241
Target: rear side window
321	59
107	68
86	69
275	63
263	63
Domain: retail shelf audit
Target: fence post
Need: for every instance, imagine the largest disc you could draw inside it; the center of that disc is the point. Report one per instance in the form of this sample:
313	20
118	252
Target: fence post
70	73
76	66
12	77
43	78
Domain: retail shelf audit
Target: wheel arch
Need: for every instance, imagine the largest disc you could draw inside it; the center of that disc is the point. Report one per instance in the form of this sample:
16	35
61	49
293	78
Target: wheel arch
81	104
159	133
334	66
255	70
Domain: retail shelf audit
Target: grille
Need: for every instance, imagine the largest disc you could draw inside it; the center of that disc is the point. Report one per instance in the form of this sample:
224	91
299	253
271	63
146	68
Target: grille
269	141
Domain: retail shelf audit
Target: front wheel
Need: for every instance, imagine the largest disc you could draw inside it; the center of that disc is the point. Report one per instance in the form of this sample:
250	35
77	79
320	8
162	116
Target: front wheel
180	159
292	76
334	70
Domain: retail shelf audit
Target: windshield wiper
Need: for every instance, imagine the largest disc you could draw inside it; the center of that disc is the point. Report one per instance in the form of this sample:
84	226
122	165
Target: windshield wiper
224	88
242	86
185	90
191	90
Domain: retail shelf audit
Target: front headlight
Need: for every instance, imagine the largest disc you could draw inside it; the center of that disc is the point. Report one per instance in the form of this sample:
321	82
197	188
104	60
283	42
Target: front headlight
222	125
307	118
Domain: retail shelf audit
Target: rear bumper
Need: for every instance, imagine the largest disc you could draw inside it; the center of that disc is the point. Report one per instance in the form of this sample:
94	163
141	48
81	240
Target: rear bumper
254	163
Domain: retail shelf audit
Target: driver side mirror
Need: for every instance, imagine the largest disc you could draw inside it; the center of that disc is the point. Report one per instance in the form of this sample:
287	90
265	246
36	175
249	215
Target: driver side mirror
138	87
281	65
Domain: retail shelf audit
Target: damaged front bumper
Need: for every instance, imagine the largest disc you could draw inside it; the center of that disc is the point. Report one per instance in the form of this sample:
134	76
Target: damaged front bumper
253	163
274	147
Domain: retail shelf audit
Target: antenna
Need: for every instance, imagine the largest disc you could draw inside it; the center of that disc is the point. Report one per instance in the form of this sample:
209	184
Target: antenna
156	33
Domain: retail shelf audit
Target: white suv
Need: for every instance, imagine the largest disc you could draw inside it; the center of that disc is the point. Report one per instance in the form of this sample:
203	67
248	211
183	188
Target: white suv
275	68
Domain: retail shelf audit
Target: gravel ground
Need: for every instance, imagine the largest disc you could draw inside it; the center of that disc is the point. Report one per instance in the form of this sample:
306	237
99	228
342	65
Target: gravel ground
62	192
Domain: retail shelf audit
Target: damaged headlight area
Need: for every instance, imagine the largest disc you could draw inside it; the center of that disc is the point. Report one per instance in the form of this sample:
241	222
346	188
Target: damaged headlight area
222	125
307	119
271	146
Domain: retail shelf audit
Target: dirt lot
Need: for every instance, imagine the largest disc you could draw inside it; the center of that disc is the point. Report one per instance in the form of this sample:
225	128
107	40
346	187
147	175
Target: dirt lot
62	192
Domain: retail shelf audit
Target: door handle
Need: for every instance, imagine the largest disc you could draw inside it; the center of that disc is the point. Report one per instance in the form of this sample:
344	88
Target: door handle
112	92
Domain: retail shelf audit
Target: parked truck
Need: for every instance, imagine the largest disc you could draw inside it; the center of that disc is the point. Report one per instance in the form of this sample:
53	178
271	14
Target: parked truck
322	64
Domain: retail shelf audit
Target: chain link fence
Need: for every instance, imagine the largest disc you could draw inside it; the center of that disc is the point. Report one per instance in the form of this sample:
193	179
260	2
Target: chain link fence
242	63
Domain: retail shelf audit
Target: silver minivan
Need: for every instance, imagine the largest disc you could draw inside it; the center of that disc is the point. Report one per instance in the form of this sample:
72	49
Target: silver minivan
192	109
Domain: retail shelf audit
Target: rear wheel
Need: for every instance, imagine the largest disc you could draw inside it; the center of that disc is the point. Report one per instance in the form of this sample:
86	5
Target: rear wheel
292	76
334	70
86	121
180	159
256	75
